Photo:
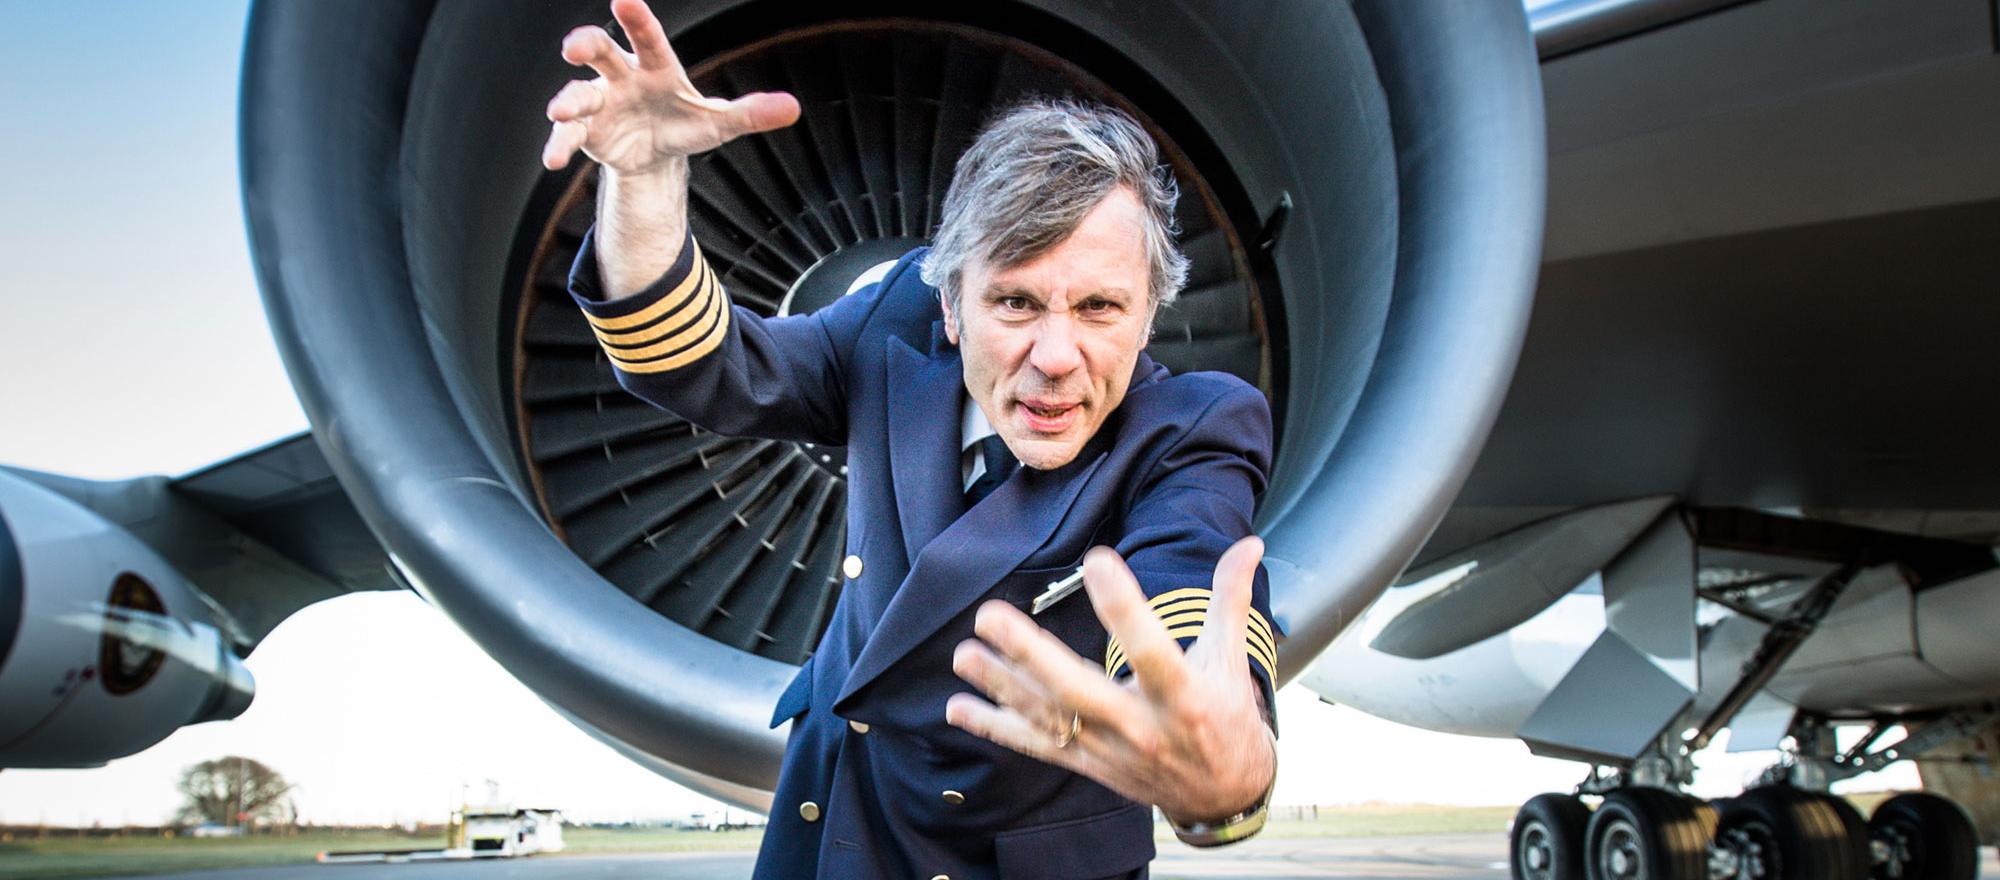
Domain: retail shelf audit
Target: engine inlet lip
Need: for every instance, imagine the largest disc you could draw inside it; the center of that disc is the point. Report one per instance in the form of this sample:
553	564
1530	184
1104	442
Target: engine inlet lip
13	590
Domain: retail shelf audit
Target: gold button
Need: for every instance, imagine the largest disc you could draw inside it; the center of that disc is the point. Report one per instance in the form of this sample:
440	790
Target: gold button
953	798
851	567
941	877
857	726
809	811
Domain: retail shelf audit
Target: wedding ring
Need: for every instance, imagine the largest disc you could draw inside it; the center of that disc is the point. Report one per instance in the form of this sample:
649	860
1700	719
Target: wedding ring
1075	727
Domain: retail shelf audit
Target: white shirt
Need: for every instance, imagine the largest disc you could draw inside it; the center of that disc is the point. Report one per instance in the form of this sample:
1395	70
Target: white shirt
972	428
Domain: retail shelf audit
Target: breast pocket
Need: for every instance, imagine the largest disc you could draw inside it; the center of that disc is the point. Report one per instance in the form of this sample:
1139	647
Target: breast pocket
1071	619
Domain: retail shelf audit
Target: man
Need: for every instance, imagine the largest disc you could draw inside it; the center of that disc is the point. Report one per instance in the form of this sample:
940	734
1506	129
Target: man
1001	419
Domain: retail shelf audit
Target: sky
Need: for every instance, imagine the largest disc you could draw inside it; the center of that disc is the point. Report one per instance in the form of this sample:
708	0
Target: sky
133	342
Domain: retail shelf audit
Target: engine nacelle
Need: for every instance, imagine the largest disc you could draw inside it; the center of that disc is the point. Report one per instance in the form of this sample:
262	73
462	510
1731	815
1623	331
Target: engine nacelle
104	648
1364	203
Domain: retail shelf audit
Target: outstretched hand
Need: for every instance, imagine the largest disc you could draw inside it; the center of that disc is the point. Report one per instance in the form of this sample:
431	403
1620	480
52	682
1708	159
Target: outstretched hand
641	112
1184	733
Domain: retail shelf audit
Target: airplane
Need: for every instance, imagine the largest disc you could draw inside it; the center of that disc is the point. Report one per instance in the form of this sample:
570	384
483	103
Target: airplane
1367	186
1735	484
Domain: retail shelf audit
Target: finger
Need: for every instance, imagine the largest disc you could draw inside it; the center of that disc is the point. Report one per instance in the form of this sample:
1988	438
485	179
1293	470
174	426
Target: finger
649	40
1121	606
578	99
1071	682
590	45
1002	683
758	112
564	140
1229	607
1008	728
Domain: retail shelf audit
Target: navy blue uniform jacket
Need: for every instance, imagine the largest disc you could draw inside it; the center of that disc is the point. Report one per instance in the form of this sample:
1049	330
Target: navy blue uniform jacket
1170	479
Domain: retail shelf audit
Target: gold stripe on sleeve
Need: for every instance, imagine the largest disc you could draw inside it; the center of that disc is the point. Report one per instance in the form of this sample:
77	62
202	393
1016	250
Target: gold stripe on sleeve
1270	666
667	303
700	350
684	336
1185	593
1184	612
680	338
694	302
1258	635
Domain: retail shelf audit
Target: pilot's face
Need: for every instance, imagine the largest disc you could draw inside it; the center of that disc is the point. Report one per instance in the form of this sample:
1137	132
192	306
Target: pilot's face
1049	345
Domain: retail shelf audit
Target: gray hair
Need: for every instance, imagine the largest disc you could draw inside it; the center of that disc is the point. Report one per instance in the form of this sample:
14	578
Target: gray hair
1028	180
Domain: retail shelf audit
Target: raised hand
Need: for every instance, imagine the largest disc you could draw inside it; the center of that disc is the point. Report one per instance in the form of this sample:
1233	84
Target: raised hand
641	113
1184	733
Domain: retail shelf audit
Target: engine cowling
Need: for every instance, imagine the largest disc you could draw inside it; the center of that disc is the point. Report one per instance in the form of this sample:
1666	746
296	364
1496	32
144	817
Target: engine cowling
112	649
1365	189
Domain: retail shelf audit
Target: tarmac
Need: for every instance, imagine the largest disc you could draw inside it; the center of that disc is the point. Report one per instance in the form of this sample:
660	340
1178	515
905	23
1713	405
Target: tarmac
1430	857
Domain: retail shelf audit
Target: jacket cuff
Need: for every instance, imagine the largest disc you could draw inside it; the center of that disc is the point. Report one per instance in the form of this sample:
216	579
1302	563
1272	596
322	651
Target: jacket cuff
675	321
1184	611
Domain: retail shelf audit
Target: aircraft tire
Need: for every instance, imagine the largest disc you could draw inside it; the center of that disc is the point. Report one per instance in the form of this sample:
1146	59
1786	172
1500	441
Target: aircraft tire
1856	831
1647	834
1932	837
1791	834
1547	840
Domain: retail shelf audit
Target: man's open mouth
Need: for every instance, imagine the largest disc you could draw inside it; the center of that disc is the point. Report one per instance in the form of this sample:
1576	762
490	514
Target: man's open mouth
1047	417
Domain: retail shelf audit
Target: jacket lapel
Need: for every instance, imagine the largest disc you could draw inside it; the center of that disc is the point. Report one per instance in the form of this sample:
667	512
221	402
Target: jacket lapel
971	555
957	555
926	395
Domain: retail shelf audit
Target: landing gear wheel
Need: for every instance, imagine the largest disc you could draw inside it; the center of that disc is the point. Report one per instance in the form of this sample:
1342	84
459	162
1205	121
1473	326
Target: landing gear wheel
1647	834
1929	838
1855	830
1782	833
1547	841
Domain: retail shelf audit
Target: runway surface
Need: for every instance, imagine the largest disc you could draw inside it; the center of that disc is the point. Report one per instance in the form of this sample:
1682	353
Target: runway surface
1431	857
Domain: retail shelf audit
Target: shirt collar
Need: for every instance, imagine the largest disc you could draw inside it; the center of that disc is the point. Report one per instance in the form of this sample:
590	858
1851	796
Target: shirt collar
972	425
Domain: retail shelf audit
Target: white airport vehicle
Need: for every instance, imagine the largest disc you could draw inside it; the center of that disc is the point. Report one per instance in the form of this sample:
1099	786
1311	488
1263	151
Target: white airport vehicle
510	833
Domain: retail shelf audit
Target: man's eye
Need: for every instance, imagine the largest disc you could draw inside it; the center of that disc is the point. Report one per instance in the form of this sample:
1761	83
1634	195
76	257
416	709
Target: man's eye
1014	303
1098	307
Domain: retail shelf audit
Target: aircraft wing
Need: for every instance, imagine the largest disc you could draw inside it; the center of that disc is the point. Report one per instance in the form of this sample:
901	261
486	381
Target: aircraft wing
261	535
126	606
308	542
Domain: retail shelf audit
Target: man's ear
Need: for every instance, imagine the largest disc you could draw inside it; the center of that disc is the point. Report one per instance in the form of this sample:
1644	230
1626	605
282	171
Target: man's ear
950	318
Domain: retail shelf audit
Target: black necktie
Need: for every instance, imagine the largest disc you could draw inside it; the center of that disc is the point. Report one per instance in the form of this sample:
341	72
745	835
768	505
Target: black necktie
1000	464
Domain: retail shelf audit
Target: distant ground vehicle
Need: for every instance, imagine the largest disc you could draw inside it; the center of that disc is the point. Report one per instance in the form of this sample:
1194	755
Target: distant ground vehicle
506	834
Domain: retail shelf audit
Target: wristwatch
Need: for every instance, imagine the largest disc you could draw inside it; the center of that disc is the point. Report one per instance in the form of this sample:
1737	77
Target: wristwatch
1237	827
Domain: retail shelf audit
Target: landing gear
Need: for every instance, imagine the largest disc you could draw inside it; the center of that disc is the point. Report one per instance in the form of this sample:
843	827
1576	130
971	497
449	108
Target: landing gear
1648	834
1787	827
1771	832
1547	841
1924	837
1777	832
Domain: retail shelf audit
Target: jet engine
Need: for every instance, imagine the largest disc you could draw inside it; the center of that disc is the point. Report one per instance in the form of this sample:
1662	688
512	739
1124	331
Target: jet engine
104	648
1363	205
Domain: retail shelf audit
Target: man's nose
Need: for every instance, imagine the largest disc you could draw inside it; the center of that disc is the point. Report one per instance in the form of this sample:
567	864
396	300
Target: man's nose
1056	353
